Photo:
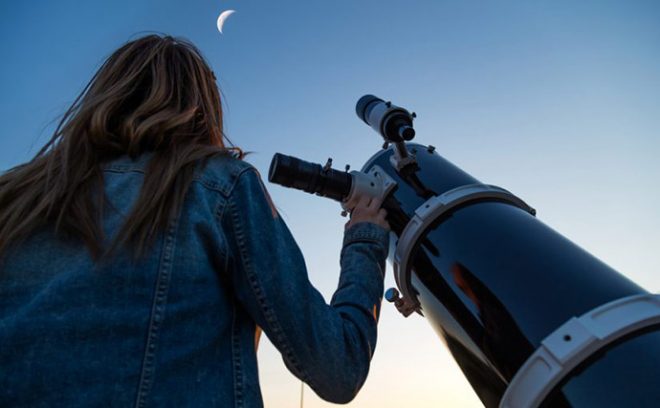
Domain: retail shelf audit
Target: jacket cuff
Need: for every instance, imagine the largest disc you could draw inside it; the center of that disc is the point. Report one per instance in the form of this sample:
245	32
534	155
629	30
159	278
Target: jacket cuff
367	232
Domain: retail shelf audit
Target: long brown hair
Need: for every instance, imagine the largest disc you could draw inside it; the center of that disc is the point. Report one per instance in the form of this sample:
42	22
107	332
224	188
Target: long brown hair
154	94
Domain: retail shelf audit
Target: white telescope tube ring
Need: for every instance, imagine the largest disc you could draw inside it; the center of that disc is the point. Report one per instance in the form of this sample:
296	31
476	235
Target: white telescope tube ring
428	213
574	342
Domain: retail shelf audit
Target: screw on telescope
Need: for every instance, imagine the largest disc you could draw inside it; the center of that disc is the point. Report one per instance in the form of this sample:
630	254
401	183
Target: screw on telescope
328	165
392	295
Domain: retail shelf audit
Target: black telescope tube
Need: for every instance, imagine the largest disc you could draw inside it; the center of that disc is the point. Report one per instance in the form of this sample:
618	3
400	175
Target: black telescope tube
494	282
292	172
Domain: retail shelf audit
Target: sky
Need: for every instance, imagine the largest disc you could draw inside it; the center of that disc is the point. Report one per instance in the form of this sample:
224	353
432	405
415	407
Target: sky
556	101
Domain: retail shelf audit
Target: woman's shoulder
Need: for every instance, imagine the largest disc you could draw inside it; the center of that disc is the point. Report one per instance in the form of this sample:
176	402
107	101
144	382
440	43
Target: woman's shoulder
221	172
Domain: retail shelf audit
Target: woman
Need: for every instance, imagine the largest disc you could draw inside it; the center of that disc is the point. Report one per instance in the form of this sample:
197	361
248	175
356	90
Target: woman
139	256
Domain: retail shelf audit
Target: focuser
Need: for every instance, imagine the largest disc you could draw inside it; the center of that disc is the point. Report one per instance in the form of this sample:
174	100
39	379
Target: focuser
343	186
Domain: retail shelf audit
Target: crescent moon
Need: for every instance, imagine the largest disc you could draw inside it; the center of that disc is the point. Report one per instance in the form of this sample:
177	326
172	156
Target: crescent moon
223	17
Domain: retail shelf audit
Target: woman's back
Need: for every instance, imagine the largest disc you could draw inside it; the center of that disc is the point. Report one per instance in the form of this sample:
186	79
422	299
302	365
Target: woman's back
177	328
163	323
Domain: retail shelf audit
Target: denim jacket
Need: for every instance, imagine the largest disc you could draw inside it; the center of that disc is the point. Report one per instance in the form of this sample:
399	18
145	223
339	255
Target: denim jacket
177	328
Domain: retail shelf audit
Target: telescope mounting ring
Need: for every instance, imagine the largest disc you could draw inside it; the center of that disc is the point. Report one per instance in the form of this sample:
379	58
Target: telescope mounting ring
426	214
575	341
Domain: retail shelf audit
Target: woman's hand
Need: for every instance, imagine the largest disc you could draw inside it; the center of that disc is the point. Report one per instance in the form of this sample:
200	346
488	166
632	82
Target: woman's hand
368	210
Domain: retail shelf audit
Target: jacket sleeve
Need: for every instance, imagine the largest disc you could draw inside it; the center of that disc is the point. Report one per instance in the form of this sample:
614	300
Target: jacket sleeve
327	346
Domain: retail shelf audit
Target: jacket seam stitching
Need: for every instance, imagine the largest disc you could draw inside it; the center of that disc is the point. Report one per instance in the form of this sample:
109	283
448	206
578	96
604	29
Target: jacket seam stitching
219	213
157	315
262	301
210	185
237	368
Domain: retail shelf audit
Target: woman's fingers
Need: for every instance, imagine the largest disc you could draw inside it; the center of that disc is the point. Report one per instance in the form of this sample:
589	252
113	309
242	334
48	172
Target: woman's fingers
364	201
362	205
368	209
375	204
381	219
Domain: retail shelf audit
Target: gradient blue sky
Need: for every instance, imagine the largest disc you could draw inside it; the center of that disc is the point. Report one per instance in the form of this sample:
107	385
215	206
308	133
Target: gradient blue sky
557	101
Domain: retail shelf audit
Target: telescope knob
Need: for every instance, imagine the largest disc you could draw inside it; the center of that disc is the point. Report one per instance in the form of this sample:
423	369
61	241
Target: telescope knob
392	295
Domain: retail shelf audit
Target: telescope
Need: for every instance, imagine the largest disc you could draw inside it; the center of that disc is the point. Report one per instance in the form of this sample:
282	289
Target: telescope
532	319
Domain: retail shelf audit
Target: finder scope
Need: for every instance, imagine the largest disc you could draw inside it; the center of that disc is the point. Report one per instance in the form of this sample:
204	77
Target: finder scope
392	122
